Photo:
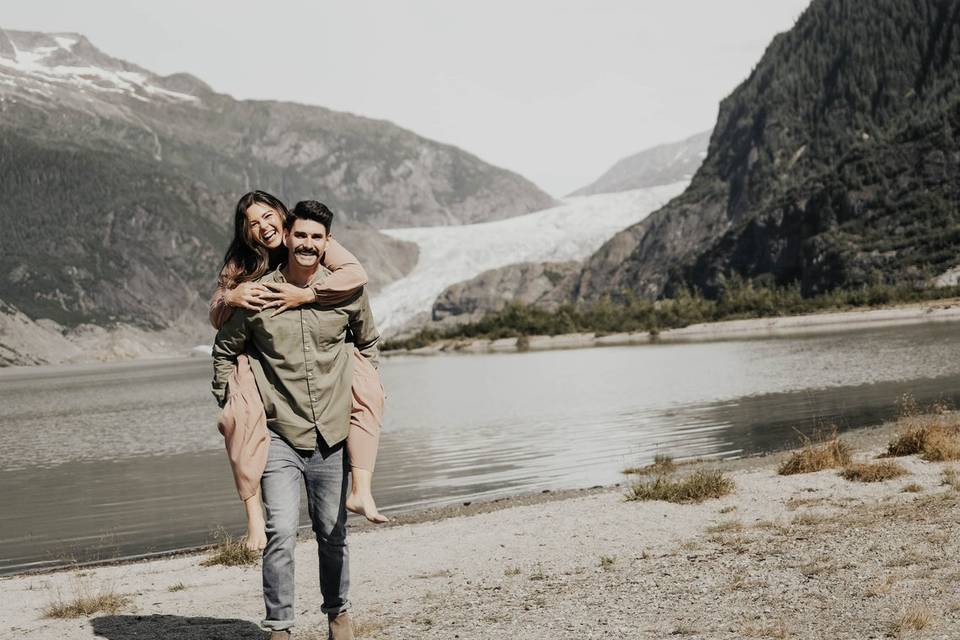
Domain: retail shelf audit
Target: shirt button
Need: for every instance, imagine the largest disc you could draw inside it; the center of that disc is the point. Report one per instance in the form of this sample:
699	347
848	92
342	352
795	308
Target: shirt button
307	348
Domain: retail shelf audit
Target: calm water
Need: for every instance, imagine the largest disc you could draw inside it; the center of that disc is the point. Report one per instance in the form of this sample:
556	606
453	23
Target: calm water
122	460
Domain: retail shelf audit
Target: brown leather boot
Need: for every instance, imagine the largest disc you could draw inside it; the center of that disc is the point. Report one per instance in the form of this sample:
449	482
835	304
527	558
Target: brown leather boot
340	626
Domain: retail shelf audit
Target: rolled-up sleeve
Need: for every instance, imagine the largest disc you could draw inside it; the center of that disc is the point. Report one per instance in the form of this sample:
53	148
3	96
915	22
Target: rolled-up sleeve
364	330
230	342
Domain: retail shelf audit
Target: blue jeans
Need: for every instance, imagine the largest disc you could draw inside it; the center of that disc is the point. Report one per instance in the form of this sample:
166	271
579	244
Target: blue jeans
324	473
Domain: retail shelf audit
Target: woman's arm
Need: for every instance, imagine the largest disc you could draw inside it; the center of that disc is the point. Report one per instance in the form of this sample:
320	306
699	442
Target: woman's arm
347	277
220	311
248	295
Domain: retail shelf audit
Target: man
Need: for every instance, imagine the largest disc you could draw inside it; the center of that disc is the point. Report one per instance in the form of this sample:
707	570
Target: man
303	371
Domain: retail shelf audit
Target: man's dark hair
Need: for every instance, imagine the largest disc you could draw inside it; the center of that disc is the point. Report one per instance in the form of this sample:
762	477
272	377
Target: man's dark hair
313	210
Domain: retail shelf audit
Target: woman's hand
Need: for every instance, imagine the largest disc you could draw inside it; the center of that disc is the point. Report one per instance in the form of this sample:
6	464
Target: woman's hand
283	295
247	295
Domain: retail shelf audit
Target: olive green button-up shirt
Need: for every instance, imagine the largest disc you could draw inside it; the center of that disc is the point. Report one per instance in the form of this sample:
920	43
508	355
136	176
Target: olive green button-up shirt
301	362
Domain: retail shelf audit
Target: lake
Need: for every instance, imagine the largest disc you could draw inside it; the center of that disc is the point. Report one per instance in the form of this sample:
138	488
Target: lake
124	460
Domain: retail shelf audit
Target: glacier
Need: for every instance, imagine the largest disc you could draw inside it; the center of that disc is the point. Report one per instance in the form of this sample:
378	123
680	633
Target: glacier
452	254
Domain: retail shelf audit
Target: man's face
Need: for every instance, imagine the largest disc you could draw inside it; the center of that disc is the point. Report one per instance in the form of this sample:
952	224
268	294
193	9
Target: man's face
306	240
265	225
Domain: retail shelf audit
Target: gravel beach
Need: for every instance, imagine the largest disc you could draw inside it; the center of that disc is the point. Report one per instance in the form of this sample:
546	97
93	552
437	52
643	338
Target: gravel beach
802	556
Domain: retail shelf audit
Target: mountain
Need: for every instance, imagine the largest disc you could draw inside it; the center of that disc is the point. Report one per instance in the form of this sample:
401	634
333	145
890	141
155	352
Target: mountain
119	186
657	165
65	92
836	163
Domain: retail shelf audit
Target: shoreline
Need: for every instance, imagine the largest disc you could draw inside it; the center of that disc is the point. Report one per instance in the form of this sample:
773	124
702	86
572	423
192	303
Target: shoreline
946	310
812	554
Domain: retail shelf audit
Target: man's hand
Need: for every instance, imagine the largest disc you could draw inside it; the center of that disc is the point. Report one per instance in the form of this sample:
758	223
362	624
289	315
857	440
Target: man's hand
247	295
283	295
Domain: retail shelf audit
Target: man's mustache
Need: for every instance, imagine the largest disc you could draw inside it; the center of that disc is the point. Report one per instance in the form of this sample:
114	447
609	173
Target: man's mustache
304	250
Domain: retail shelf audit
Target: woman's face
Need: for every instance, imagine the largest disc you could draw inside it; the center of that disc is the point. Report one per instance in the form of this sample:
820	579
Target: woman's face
265	225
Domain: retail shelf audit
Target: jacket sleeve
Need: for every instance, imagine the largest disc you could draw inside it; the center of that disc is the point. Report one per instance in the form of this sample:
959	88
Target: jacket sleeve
220	311
231	341
345	279
365	335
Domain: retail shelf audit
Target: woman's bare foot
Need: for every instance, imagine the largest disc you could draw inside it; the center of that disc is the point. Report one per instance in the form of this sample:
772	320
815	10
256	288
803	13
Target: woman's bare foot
256	538
364	504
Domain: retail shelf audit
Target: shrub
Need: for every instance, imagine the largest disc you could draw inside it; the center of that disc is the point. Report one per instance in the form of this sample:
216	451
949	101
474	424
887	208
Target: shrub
697	487
817	457
873	471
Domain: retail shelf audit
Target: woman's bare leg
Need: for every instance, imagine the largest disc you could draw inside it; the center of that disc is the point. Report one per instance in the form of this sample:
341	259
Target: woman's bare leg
256	538
361	499
363	439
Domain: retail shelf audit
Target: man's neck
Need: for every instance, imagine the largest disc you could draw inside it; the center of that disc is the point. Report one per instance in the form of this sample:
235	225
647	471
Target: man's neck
300	276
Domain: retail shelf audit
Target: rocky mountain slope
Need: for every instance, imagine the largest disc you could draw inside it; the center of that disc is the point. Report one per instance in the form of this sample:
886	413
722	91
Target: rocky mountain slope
527	283
836	163
657	165
118	187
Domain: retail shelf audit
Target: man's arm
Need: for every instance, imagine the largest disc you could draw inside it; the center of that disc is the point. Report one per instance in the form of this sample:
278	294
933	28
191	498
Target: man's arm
230	342
365	334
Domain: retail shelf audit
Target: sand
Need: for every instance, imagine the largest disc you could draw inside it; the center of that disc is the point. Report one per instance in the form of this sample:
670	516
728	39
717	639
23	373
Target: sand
804	556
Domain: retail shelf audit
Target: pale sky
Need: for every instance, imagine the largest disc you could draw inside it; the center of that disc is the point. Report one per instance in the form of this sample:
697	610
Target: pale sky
555	90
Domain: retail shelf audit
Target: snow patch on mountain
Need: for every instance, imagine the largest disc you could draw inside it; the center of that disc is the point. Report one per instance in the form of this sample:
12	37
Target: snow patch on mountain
571	231
44	64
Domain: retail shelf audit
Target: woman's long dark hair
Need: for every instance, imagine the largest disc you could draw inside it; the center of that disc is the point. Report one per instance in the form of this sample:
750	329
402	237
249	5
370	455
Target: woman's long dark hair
246	259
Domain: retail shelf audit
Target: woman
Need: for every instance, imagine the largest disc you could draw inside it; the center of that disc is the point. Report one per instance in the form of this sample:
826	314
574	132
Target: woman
256	249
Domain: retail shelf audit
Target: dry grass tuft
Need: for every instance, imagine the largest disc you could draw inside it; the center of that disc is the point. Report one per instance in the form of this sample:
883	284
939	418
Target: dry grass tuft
607	562
662	465
873	471
913	487
778	631
933	434
684	629
367	628
809	519
730	526
176	587
86	601
231	552
916	619
881	587
697	487
951	478
814	457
